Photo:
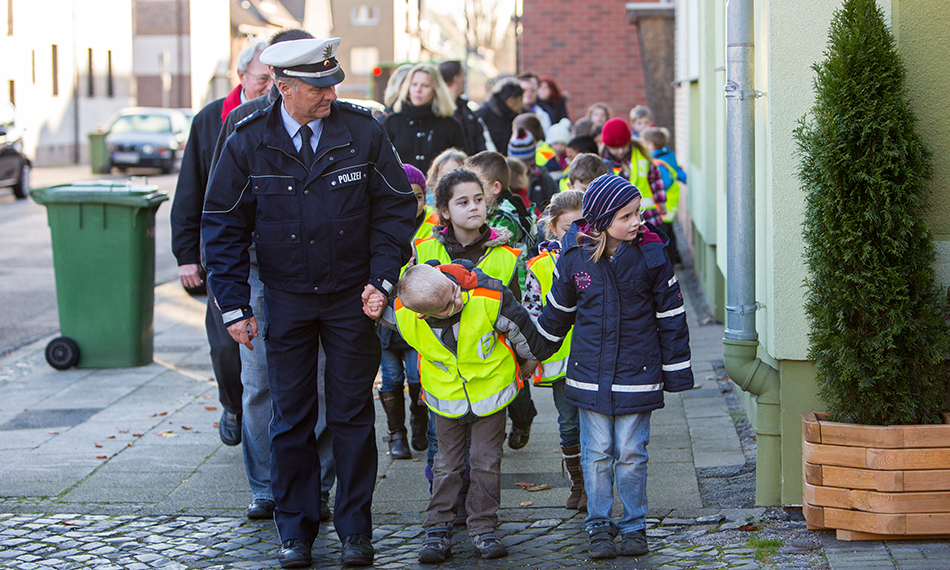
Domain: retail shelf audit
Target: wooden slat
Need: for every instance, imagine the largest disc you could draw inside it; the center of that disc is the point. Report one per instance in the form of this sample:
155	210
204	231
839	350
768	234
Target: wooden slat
929	524
821	454
814	516
887	481
881	437
813	474
851	535
811	429
876	502
865	522
927	480
837	498
908	459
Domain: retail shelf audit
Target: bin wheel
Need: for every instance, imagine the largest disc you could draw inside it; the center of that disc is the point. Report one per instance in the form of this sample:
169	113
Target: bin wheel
62	353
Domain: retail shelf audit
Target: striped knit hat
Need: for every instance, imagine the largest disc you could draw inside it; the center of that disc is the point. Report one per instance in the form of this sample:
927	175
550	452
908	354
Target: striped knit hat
522	146
604	196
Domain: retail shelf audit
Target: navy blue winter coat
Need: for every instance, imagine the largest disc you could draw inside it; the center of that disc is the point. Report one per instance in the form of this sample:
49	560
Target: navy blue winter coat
344	223
630	339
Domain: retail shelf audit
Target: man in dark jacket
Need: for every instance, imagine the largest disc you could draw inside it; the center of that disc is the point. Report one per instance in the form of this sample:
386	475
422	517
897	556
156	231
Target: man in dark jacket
316	185
454	75
186	222
500	110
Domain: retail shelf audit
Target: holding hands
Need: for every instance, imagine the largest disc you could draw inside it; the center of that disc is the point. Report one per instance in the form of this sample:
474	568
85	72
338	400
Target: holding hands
374	302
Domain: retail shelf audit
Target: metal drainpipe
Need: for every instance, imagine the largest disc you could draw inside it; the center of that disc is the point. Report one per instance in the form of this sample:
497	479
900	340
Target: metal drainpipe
741	341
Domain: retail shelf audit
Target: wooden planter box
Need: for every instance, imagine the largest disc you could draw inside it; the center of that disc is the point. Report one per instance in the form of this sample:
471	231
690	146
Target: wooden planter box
876	482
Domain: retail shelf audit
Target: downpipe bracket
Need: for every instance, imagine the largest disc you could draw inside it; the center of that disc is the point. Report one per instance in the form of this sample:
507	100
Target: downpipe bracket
732	91
743	310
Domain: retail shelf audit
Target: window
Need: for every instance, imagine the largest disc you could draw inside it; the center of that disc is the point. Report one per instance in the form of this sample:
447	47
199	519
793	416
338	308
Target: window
363	60
364	15
55	70
110	88
91	83
12	93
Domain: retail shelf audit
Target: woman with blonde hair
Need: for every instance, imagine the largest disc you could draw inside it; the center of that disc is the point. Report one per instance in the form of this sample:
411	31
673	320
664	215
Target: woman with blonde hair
394	86
422	125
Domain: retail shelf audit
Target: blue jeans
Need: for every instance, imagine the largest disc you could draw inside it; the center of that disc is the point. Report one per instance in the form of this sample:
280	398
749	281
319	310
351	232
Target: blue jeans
567	421
257	409
615	447
397	365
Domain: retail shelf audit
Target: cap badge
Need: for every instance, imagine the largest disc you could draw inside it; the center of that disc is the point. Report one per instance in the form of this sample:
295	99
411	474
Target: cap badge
327	54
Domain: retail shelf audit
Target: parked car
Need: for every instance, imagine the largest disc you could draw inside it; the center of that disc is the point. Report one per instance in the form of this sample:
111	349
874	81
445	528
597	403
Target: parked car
146	137
14	165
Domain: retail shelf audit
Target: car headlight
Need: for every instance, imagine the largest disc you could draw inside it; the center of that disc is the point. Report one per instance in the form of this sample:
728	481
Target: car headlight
147	149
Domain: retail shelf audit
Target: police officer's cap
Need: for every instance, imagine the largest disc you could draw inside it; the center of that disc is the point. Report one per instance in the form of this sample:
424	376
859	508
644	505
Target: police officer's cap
312	61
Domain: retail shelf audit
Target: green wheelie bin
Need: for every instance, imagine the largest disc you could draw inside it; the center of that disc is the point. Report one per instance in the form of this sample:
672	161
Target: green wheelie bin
103	237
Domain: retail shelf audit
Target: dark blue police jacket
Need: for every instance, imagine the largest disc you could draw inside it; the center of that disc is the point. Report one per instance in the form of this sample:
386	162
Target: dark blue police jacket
344	223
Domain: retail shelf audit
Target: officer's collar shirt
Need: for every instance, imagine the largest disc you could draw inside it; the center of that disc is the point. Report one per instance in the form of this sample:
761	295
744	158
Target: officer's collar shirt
293	128
244	98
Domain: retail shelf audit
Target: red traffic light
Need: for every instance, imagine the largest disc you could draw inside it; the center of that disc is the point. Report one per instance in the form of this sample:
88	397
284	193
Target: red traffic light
377	71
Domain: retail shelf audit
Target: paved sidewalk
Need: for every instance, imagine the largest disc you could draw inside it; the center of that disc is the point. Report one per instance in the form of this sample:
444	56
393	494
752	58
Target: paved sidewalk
124	469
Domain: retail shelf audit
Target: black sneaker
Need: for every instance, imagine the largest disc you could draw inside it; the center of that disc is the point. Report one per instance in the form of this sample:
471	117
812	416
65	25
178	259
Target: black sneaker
437	546
519	435
634	543
600	542
357	551
488	545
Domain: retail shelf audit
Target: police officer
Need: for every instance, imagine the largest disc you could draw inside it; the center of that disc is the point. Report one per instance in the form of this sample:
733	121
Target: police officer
316	184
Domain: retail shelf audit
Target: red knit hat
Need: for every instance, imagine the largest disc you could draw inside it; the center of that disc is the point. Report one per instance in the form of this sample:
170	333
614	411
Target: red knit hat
616	133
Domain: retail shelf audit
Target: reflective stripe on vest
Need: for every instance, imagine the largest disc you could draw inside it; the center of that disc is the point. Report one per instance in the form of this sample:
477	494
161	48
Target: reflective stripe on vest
482	376
425	230
554	368
499	262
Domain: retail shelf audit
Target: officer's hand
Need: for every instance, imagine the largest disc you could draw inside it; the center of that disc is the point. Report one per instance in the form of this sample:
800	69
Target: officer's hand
243	331
190	275
374	302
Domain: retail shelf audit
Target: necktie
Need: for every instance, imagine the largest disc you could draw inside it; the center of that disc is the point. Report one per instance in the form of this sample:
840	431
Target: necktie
306	151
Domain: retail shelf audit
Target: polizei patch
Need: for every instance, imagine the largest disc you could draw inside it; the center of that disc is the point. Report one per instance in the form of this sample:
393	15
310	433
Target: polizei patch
348	177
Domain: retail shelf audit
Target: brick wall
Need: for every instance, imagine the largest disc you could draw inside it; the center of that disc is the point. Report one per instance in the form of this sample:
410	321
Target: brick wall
589	48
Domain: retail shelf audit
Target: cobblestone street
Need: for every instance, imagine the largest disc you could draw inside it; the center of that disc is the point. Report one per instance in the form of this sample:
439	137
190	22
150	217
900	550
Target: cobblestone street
73	541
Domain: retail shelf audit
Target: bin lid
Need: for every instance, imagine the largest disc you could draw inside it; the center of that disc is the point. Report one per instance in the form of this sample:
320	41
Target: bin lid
117	192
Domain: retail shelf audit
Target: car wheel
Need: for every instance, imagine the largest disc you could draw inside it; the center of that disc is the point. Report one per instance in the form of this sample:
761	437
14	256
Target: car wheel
22	187
62	353
170	165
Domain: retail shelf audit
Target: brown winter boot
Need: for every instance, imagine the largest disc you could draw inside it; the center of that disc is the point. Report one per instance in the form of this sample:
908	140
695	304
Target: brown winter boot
394	404
572	462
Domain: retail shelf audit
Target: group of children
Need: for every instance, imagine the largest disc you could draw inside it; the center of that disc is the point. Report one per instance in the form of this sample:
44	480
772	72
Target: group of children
486	309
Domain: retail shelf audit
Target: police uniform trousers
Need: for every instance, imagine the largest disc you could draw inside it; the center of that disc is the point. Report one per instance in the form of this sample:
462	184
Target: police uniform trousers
296	326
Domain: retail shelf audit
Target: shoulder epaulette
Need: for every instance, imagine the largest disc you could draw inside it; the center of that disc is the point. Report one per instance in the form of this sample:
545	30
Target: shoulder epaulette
355	108
250	118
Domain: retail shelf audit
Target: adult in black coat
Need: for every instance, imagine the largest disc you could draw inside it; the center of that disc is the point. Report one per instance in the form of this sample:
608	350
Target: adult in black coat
500	110
421	125
454	75
255	80
551	99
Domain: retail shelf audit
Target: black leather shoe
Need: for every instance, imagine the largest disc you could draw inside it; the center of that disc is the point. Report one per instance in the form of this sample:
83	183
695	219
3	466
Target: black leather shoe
261	509
294	553
229	428
357	551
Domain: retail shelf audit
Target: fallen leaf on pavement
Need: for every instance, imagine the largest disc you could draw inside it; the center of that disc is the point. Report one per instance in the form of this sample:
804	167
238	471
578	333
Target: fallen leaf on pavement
211	408
748	528
53	432
215	425
122	430
101	456
185	427
97	445
541	487
524	504
138	434
524	485
110	437
168	433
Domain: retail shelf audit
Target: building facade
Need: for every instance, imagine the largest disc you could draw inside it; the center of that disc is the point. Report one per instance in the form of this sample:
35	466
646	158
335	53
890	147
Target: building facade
789	38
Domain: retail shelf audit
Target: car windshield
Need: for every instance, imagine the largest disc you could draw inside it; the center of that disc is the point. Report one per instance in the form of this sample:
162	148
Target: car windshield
142	124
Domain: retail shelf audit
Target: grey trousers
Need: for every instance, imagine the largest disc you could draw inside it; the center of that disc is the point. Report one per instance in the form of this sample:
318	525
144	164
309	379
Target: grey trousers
484	494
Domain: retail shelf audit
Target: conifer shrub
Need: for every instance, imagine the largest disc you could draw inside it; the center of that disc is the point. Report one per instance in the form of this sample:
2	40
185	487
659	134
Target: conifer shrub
878	335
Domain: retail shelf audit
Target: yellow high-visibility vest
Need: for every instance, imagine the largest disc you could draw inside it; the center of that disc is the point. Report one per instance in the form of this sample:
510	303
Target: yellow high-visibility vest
481	376
554	368
499	262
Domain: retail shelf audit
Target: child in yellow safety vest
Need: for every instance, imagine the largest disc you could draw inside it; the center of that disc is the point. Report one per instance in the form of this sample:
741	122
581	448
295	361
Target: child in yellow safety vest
471	333
630	159
564	209
674	177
